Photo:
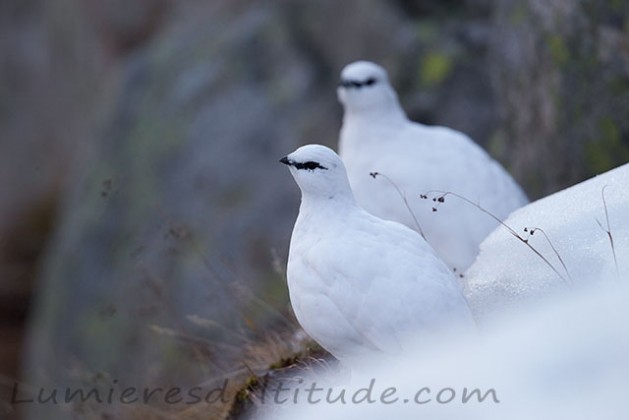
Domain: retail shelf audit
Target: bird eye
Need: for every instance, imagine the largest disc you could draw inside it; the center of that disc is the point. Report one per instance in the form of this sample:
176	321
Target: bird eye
310	165
369	81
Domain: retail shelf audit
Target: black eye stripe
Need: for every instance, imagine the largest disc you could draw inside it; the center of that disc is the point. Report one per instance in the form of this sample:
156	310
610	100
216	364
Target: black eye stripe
310	165
358	84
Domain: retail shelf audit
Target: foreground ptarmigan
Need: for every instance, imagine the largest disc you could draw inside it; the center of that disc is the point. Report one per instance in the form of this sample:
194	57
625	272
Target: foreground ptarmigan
378	137
359	284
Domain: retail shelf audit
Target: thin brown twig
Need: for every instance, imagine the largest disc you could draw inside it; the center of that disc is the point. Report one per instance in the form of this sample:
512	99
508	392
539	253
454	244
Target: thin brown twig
608	230
532	230
403	196
511	231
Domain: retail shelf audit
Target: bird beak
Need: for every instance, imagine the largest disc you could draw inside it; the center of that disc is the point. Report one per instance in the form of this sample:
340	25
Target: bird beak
285	161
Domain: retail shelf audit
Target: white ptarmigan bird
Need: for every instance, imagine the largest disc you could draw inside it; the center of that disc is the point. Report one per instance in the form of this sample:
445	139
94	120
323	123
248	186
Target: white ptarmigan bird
358	284
377	136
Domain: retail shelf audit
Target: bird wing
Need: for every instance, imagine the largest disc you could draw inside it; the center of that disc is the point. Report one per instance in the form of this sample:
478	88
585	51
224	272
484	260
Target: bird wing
387	283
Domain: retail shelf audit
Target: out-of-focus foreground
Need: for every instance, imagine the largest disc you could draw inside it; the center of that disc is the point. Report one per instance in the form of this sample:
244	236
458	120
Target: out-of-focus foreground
144	220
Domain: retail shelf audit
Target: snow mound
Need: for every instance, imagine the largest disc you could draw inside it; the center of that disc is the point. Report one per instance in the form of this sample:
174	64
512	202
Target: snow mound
508	273
567	360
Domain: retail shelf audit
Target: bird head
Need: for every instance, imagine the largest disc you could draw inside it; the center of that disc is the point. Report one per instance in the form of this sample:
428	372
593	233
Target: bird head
365	87
318	171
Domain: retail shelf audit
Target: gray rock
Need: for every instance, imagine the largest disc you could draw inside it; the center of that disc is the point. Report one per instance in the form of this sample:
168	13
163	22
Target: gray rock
561	74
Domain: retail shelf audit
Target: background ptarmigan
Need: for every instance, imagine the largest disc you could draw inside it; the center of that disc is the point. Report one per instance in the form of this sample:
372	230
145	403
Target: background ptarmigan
359	284
377	136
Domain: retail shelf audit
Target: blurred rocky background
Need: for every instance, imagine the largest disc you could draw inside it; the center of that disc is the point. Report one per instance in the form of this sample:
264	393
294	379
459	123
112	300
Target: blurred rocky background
144	219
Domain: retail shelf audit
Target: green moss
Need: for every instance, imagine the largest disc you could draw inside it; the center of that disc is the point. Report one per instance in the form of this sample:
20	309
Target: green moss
558	49
242	396
608	150
285	362
427	31
518	15
618	6
435	68
619	86
242	405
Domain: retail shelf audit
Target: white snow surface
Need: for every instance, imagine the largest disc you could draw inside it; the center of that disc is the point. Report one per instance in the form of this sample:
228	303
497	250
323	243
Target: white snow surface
358	284
566	360
507	273
377	136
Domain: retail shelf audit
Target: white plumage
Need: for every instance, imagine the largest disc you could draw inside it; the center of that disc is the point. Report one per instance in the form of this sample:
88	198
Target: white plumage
377	136
359	284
